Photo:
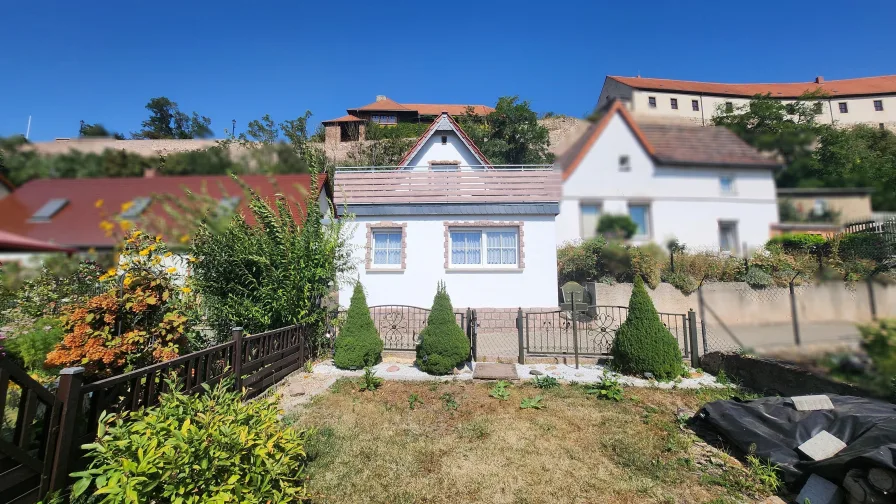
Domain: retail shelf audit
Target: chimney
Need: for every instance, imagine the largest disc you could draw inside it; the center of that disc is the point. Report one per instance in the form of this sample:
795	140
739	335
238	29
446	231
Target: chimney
149	173
380	97
819	80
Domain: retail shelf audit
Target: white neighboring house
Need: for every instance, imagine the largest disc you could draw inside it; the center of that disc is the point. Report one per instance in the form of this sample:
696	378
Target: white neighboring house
701	185
445	213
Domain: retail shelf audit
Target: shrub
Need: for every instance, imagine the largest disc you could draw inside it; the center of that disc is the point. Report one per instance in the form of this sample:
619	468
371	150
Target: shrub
759	278
868	246
879	341
642	343
31	347
783	266
443	345
616	226
50	292
681	281
798	242
210	447
579	262
616	262
647	262
358	344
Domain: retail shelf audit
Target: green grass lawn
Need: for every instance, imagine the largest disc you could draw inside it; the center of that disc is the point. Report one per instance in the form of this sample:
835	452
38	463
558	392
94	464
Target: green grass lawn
459	444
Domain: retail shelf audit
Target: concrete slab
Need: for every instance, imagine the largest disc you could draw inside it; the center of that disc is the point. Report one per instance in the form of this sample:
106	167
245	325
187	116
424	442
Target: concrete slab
812	402
822	445
820	491
494	371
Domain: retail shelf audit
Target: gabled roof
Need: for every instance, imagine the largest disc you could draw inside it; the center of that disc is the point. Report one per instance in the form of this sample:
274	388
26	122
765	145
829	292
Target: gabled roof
385	104
444	123
11	242
884	84
345	118
671	144
77	224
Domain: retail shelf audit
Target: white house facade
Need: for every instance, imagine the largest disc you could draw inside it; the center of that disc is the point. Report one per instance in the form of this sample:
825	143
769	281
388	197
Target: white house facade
446	214
703	186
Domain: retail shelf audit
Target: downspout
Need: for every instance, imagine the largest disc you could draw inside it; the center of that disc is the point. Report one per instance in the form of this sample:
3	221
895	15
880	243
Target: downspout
702	117
831	110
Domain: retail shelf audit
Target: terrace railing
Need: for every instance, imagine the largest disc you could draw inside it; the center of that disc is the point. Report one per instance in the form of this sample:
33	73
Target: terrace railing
462	184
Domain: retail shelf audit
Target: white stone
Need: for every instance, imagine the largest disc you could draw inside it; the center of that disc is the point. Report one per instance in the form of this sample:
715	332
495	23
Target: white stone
820	491
822	445
812	402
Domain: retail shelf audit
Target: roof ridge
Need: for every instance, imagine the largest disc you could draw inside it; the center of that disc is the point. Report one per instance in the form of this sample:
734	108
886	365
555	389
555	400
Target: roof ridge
826	81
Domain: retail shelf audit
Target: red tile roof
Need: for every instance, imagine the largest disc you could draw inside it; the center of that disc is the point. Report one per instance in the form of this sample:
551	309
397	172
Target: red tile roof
6	183
674	144
345	118
845	87
11	242
389	105
384	104
429	132
77	223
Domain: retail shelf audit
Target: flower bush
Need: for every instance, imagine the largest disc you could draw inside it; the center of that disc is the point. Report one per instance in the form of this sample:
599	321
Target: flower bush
133	326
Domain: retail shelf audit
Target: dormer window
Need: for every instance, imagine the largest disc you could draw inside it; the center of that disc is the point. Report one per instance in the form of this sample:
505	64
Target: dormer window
50	208
134	208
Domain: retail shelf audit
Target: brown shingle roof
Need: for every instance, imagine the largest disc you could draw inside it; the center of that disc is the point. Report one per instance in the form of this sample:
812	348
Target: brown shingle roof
383	105
345	118
389	105
846	87
77	223
675	144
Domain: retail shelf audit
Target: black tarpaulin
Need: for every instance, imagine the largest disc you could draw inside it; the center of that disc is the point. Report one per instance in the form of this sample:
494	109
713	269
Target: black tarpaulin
772	429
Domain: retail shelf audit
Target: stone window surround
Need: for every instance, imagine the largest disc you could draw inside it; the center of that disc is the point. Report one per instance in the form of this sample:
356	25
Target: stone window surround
521	260
386	225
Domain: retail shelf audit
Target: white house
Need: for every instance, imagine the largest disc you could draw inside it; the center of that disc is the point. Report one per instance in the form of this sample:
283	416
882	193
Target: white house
701	185
445	213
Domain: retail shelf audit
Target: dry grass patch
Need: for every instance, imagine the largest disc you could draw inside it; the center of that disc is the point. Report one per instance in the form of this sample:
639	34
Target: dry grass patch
372	447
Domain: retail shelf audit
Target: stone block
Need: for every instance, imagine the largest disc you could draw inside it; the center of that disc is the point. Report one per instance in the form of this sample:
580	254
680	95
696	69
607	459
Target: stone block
812	402
820	491
821	446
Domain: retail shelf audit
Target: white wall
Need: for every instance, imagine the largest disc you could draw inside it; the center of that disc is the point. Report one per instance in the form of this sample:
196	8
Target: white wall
534	286
686	203
433	150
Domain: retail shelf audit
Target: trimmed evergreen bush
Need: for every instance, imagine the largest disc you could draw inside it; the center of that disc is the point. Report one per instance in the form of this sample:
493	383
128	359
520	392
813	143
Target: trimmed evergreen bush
358	344
443	345
642	343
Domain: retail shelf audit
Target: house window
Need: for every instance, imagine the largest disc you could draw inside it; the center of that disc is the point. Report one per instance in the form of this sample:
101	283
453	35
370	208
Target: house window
729	107
880	125
817	107
501	248
878	105
625	163
387	247
674	103
726	183
444	166
651	100
444	139
728	236
590	217
819	207
641	215
843	108
384	119
695	105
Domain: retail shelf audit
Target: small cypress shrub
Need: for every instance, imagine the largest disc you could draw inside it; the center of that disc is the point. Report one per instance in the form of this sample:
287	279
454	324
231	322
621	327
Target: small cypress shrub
443	345
642	343
358	344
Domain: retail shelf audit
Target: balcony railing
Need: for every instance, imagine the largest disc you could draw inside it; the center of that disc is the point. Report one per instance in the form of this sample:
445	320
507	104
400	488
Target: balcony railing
444	168
463	184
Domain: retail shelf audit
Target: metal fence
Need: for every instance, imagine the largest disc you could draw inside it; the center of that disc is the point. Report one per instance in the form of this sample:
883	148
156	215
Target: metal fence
399	326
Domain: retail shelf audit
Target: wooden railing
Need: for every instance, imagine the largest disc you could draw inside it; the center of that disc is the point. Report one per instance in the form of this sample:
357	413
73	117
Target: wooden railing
464	186
49	428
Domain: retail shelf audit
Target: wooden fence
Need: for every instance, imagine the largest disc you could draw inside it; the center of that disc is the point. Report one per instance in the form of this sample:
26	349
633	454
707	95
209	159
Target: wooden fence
42	433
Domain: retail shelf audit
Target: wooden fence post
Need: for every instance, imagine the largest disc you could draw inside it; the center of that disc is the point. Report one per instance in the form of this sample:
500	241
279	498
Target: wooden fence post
237	333
692	335
69	394
519	329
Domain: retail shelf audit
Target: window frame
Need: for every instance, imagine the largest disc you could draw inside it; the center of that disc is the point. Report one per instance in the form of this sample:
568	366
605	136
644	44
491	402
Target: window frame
729	107
695	105
651	101
878	105
843	107
484	228
735	249
647	219
625	166
385	227
732	186
589	204
673	102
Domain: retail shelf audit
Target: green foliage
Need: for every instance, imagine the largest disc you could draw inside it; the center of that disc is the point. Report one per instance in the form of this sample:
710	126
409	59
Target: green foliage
879	341
859	156
500	390
607	388
580	262
789	213
642	343
616	227
798	242
536	402
166	121
358	343
545	382
510	134
868	246
443	345
53	290
233	451
30	348
757	278
413	401
647	262
449	402
681	281
97	130
766	474
370	382
273	272
407	130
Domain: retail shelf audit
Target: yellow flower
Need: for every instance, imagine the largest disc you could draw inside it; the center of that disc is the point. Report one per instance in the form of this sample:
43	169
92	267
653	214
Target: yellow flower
98	204
185	238
167	254
107	226
158	238
185	290
171	269
126	205
127	280
125	225
192	259
144	252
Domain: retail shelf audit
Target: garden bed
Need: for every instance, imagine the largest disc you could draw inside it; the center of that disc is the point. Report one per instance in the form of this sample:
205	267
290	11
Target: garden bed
453	442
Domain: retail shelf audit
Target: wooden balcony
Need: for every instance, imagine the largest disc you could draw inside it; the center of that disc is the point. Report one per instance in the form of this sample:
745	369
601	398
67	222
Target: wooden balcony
466	185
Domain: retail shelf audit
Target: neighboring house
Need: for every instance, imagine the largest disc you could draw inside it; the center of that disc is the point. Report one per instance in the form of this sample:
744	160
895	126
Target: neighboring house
69	212
821	211
867	100
445	213
17	248
386	112
703	186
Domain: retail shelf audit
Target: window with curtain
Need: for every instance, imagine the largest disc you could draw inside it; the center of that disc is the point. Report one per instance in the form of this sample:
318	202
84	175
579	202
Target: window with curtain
501	248
641	215
387	248
590	217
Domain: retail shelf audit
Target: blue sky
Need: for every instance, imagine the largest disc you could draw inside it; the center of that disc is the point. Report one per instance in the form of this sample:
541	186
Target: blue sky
102	61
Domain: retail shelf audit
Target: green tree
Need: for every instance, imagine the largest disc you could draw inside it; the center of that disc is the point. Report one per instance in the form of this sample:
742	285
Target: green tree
860	156
642	343
616	227
443	344
510	134
261	131
166	121
358	344
97	130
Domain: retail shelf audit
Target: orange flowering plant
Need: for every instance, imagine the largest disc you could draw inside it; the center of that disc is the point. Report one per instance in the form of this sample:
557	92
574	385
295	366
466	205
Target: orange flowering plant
134	325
